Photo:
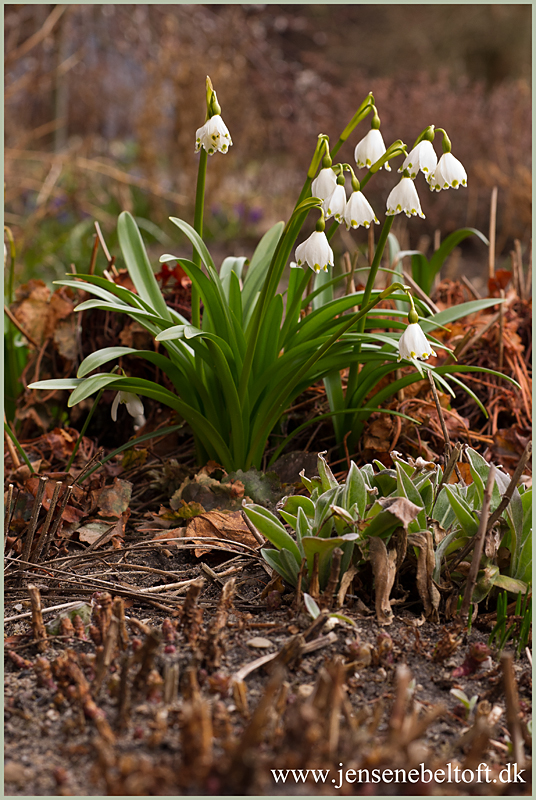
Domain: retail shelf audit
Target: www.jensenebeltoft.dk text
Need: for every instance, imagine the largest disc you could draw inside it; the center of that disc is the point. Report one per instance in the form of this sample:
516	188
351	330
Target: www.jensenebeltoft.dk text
451	774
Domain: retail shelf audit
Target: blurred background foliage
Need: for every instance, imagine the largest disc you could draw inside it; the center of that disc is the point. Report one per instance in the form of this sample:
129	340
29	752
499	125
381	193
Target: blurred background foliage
102	103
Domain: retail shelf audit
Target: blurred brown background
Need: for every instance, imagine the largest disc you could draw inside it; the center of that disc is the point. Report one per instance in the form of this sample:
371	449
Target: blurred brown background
102	103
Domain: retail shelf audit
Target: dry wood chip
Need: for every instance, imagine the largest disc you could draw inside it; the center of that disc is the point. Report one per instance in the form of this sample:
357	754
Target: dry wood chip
259	642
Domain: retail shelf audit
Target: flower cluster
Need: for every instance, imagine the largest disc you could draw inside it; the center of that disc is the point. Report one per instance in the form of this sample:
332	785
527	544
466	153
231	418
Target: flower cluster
354	212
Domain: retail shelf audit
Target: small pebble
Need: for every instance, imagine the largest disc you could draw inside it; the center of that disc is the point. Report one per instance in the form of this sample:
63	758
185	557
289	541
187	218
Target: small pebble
16	773
259	642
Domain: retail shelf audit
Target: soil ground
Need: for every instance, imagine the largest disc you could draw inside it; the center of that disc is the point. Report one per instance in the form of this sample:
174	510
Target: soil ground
53	747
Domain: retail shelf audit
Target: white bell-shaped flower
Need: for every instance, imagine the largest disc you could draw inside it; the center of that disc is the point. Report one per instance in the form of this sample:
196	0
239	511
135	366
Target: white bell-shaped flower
324	184
359	211
315	252
132	402
404	198
335	206
213	136
370	149
414	344
448	173
423	157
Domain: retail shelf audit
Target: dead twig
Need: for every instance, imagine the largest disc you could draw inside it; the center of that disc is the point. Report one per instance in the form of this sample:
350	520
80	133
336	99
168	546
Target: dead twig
48	610
38	502
8	513
314	583
44	31
38	626
326	599
46	525
306	647
512	708
492	229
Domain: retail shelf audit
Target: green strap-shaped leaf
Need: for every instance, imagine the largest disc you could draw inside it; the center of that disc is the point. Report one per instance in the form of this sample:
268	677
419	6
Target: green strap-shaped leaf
100	357
99	291
407	489
303	528
329	481
297	283
258	268
208	434
235	302
95	284
324	548
458	312
200	246
239	424
138	265
296	501
355	491
274	559
180	376
136	313
290	564
267	349
462	511
56	383
449	243
270	527
231	265
457	540
215	307
311	605
521	562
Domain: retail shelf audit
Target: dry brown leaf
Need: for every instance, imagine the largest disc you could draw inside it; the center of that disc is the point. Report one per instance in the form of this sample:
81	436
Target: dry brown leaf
113	500
401	508
172	533
65	339
229	526
428	591
384	568
90	532
31	308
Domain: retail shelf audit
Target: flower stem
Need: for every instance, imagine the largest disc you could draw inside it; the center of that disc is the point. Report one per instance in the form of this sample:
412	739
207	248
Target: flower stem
380	247
198	226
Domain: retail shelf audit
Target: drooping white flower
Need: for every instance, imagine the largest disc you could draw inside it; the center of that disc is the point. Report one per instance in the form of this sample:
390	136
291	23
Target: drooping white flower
414	344
423	157
448	173
324	184
404	198
370	149
213	136
359	212
132	402
335	206
315	252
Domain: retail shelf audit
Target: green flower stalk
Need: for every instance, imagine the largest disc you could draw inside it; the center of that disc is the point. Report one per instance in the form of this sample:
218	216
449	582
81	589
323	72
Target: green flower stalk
211	138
